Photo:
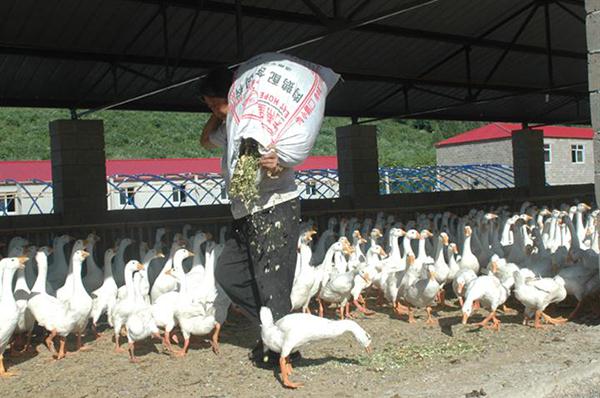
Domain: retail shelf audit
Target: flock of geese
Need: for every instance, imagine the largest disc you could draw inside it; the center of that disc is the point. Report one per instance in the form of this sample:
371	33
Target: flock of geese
537	254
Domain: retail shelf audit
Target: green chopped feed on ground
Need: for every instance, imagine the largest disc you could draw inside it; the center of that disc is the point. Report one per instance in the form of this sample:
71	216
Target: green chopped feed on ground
398	356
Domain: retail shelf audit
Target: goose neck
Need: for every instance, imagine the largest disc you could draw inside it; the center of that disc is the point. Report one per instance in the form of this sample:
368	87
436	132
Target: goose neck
40	282
6	291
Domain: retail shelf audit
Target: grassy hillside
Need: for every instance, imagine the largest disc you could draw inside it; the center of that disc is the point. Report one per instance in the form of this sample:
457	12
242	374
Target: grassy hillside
129	134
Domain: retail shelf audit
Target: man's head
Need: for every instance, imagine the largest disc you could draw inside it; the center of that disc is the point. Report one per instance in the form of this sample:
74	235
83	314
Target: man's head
213	90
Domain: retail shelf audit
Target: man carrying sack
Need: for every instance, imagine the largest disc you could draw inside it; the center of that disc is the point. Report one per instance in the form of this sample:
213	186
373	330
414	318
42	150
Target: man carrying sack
265	116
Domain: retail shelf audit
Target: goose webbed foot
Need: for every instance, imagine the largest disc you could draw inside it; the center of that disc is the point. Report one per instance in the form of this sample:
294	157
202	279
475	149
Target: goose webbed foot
509	311
430	319
285	368
554	321
3	371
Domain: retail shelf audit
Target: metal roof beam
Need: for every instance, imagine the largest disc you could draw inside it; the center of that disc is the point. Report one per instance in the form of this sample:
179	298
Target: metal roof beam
205	64
105	57
307	19
350	76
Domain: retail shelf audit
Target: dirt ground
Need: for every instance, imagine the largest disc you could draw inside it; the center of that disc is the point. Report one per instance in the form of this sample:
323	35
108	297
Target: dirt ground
449	360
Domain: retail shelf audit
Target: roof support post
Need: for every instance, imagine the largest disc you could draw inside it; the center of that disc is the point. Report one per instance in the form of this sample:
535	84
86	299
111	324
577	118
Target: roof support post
358	164
528	160
78	170
593	43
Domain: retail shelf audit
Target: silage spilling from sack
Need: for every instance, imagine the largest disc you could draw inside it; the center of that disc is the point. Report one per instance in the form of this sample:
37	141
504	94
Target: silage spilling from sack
278	101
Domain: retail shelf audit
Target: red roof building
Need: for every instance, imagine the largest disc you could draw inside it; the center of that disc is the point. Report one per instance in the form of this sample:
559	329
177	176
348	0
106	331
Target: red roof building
568	151
25	170
498	131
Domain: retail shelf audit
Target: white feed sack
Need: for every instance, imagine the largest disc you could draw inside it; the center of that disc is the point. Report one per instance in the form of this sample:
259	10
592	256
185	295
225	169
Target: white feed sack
279	101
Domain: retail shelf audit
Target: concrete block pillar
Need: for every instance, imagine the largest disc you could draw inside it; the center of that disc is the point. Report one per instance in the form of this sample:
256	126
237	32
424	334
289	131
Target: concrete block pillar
593	43
528	159
78	170
358	172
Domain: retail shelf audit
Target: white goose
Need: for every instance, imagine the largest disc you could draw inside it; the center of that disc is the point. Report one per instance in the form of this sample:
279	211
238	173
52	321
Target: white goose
21	294
163	308
105	297
165	283
140	324
300	295
422	293
8	307
295	331
125	307
66	290
491	293
193	318
468	259
536	294
58	317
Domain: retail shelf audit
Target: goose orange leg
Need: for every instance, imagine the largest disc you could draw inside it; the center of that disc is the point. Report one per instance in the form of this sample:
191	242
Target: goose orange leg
131	349
50	342
214	340
80	346
61	349
27	342
411	316
184	350
430	319
3	372
320	307
118	348
486	320
362	309
285	371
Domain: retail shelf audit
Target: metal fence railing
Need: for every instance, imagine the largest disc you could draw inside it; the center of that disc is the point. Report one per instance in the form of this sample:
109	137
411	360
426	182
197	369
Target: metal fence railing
143	191
445	178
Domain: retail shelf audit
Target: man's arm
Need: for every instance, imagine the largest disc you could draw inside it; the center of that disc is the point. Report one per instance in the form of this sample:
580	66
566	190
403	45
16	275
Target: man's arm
211	125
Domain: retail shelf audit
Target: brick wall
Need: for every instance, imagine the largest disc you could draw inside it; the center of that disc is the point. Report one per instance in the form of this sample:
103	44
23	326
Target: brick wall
561	170
488	152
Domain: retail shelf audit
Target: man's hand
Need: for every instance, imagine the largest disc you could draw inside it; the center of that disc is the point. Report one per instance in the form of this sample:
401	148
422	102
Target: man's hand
269	162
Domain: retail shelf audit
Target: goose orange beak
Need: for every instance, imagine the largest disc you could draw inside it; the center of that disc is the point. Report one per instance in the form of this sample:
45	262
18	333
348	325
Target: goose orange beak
369	349
85	254
459	288
140	266
465	317
22	261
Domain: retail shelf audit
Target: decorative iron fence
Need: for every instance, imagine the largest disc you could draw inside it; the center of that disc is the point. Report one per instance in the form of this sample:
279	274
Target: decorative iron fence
25	197
445	178
143	191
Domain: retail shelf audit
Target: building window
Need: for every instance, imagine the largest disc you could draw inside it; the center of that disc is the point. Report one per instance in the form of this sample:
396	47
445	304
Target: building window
179	194
7	204
223	193
577	153
547	153
311	188
127	196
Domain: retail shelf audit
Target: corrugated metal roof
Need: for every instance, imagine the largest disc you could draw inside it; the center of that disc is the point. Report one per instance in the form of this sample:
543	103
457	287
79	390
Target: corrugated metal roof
68	53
